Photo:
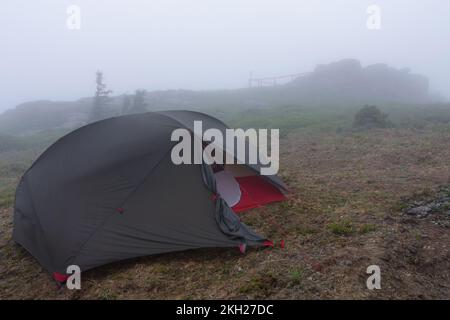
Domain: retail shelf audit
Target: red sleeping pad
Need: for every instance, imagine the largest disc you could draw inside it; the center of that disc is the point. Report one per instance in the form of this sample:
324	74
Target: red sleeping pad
256	192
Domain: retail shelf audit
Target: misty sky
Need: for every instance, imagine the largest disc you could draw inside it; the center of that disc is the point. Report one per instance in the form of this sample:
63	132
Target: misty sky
207	44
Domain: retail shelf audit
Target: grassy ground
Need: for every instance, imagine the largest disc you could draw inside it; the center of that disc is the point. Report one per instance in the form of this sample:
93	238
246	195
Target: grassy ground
344	214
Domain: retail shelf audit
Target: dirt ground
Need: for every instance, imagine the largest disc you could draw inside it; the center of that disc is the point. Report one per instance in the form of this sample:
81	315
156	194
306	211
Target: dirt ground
345	212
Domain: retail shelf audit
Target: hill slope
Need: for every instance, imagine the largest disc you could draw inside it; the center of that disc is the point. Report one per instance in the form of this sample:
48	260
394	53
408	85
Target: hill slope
341	83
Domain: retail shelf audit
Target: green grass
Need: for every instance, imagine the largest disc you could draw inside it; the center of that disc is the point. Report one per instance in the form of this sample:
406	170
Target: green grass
367	228
6	199
342	228
107	294
259	286
302	230
16	156
296	275
289	118
333	118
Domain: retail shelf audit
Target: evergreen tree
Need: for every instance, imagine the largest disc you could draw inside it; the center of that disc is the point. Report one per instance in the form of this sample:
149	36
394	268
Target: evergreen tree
139	104
126	104
101	98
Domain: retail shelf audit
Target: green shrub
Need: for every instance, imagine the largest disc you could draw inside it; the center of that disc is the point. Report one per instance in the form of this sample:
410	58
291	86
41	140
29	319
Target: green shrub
369	117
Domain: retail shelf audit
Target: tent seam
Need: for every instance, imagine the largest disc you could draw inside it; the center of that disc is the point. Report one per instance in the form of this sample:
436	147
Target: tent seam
126	199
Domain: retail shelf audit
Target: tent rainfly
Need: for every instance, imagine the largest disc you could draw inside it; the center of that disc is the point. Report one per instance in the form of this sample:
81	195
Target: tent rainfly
109	191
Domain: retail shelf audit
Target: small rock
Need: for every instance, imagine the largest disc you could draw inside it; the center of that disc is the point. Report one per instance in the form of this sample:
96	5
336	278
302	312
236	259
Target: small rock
421	211
345	262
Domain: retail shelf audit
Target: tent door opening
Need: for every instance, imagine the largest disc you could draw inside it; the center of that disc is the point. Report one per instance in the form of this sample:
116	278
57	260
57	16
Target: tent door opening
243	189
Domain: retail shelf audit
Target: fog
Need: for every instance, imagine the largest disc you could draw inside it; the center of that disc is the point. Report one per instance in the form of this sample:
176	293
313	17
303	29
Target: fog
204	44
